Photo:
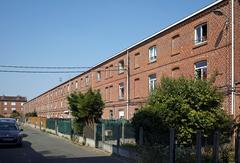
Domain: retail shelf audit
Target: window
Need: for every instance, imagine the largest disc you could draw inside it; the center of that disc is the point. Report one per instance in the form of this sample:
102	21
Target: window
111	70
76	84
13	109
22	103
68	88
110	93
5	109
152	54
5	103
110	114
13	103
152	82
106	72
175	45
121	66
201	33
98	75
121	114
136	60
176	72
201	70
136	88
106	94
86	80
121	91
81	82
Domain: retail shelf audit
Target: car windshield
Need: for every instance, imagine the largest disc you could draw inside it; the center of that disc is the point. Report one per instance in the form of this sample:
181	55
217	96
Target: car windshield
7	126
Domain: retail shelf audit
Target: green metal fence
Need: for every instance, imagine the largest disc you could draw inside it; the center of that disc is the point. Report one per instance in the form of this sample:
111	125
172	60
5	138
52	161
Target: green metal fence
64	126
50	124
114	130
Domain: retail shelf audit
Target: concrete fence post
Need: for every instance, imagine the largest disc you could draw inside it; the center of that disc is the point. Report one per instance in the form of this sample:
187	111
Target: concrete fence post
198	147
118	138
172	146
56	126
95	134
103	132
216	147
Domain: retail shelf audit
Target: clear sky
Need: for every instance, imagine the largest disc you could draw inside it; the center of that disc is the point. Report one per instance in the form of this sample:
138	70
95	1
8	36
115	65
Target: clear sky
75	33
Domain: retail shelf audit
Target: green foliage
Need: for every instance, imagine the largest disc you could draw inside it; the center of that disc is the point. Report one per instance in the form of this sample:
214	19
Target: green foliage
31	114
15	114
87	107
1	116
78	127
186	105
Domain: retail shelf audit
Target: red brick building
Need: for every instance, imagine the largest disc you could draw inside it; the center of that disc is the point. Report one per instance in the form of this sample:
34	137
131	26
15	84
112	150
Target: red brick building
196	46
10	103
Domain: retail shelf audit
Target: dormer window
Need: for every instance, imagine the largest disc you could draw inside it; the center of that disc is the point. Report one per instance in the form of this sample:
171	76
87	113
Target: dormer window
200	34
152	53
121	66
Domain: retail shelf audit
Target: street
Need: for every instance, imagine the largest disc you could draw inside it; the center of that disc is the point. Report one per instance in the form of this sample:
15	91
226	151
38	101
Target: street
40	147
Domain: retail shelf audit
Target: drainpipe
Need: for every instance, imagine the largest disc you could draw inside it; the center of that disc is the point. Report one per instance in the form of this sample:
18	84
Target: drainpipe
232	69
128	84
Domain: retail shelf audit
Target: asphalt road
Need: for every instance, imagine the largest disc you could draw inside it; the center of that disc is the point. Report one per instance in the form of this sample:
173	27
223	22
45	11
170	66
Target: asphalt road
39	147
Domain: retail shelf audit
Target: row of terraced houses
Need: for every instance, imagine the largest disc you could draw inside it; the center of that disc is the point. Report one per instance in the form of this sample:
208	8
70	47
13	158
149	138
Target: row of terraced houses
194	47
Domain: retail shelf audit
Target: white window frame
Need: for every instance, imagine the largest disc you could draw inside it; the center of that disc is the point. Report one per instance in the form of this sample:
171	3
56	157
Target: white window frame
13	103
121	114
98	76
22	103
152	82
201	68
5	109
121	91
121	66
152	53
14	109
5	103
199	39
76	84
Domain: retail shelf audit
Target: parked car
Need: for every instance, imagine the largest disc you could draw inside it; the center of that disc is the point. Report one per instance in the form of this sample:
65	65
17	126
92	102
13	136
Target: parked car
9	119
10	134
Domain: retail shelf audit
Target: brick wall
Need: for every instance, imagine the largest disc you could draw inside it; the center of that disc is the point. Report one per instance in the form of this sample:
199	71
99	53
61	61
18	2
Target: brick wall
176	56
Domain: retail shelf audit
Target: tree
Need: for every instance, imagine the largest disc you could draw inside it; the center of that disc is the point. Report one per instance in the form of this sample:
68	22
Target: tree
15	114
31	114
187	105
86	107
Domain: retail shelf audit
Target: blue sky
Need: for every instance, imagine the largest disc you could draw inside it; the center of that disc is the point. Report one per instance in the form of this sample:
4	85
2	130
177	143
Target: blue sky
75	33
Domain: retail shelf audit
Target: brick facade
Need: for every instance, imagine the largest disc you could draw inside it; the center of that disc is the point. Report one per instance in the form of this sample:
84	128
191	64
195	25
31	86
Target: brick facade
10	103
177	54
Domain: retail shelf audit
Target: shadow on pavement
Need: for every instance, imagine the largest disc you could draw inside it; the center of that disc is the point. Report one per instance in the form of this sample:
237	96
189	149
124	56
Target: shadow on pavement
25	154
